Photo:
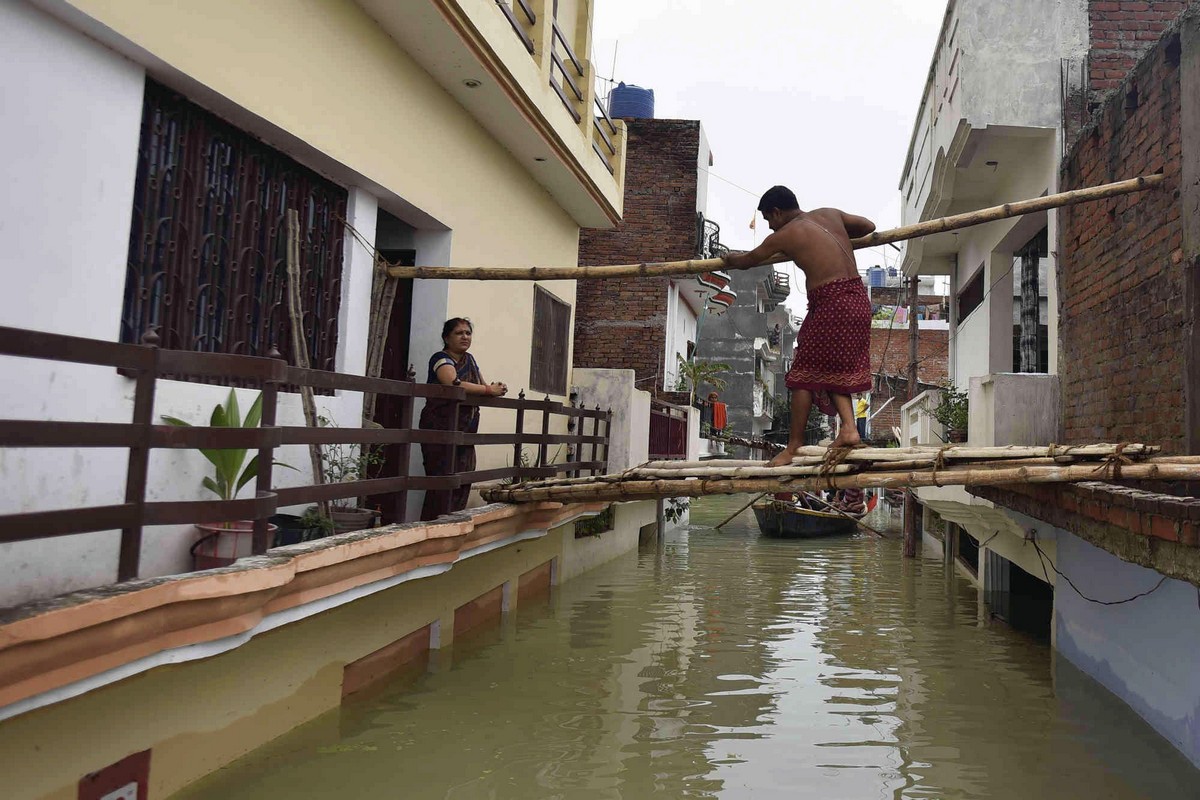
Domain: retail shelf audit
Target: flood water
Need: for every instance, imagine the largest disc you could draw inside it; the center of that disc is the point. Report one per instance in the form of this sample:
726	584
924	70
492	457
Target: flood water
723	664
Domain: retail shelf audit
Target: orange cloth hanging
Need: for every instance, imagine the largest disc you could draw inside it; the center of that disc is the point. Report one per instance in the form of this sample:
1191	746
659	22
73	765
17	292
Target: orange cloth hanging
719	417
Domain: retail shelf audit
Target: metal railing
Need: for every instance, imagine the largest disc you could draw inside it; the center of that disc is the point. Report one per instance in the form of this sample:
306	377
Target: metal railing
560	49
507	9
146	364
668	431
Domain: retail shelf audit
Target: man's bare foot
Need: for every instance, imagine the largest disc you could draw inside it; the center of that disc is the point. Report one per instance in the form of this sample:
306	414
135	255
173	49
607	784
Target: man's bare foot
783	458
846	438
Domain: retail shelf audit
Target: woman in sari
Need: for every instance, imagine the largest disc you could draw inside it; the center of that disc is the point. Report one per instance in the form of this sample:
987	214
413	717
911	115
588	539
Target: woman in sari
452	366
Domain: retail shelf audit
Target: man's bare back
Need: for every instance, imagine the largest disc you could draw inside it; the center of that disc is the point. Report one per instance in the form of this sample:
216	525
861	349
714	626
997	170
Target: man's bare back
818	241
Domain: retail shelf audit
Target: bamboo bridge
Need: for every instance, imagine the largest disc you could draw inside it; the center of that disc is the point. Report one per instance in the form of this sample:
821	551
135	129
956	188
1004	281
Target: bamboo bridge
818	468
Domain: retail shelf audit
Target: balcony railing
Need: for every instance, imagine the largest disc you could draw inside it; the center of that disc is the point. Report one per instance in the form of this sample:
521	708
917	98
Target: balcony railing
147	364
668	431
567	77
560	49
507	8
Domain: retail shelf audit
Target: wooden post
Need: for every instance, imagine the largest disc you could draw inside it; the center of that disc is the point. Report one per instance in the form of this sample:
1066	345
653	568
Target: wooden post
910	527
701	266
518	446
138	465
545	433
261	538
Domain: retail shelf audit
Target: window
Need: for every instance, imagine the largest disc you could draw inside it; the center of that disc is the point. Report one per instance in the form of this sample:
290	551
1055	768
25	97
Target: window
551	340
971	295
207	265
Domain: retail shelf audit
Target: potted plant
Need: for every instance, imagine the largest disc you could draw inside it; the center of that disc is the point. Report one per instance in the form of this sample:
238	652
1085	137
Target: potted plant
694	374
952	412
223	543
343	463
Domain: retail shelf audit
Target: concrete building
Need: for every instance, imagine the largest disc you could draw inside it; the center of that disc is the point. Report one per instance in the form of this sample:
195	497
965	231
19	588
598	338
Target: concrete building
175	137
755	337
1117	365
150	153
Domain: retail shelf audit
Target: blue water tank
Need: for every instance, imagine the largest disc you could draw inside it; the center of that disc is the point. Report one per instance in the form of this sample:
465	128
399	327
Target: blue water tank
892	272
875	276
631	102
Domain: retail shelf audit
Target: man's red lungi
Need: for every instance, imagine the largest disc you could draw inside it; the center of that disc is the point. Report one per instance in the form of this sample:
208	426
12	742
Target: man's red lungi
833	349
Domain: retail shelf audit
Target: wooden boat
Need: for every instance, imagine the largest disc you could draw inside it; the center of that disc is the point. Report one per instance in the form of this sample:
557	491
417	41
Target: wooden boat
783	520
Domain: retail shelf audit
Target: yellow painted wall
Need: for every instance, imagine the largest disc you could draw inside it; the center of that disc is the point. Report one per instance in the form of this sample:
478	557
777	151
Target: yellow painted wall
325	72
200	715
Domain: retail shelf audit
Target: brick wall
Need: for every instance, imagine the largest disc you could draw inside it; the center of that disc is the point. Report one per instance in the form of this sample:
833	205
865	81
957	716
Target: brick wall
1124	316
1119	33
890	357
622	324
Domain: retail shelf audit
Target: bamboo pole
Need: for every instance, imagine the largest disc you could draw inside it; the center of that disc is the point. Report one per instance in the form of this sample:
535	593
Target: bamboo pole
693	487
728	519
700	266
300	347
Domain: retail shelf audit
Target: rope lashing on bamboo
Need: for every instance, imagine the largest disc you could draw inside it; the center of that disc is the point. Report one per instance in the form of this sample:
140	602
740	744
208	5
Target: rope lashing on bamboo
701	266
1111	466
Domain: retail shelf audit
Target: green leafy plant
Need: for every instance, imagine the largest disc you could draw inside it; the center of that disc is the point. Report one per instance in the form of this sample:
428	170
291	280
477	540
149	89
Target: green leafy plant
316	525
952	409
698	373
675	509
231	471
343	463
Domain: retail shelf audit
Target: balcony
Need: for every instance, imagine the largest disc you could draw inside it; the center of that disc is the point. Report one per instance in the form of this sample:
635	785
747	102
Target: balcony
778	285
516	67
145	480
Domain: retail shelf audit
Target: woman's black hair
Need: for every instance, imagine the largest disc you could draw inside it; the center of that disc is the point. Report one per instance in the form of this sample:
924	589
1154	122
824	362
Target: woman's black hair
451	324
779	197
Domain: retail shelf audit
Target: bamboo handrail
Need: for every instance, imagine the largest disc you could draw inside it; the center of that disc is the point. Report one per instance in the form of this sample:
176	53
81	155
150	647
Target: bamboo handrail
700	266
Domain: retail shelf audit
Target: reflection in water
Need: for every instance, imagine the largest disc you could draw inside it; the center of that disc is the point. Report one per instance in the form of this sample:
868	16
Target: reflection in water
728	665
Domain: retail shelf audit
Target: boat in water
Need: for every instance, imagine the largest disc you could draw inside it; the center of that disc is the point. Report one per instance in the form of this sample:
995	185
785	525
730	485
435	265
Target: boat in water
782	519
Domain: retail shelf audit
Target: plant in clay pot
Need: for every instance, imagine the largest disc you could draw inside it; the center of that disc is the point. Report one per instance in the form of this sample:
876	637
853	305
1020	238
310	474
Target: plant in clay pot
952	412
344	463
222	543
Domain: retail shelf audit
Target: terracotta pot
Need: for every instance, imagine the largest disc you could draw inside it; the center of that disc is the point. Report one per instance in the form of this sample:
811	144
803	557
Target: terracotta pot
222	543
351	519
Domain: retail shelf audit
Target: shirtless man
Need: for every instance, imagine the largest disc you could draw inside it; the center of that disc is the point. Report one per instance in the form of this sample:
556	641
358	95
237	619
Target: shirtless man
833	350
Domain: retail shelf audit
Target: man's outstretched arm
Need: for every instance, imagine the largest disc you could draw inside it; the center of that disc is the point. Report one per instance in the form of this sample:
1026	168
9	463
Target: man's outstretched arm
769	247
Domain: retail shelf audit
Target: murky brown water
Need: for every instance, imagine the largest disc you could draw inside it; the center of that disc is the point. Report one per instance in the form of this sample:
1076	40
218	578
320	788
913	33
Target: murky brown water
728	665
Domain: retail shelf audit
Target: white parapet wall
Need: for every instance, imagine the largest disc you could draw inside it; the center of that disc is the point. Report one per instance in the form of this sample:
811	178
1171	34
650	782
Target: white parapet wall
629	436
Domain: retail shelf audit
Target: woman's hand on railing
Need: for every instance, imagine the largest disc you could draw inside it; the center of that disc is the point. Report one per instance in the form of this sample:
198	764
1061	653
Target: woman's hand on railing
497	389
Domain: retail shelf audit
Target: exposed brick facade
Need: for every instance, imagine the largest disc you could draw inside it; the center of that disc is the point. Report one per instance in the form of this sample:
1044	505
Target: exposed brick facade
1119	33
1125	309
622	324
890	357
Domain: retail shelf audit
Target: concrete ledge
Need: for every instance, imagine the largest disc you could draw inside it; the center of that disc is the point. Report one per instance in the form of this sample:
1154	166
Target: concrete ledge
86	639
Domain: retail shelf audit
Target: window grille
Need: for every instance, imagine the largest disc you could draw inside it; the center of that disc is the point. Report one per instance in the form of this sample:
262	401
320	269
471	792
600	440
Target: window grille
207	266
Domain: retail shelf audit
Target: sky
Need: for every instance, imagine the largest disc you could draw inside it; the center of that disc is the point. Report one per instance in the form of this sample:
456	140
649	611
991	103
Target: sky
817	96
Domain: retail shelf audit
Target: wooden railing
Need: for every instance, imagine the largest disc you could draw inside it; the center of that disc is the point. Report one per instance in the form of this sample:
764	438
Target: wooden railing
146	363
668	431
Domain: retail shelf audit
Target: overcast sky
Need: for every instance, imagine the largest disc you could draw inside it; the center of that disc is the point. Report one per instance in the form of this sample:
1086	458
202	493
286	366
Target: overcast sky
819	97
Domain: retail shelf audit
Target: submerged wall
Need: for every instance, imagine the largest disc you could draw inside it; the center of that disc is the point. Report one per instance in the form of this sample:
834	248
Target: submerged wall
195	716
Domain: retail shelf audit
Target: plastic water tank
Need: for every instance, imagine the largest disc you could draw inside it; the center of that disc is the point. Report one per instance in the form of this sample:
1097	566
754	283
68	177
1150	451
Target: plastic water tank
631	102
875	276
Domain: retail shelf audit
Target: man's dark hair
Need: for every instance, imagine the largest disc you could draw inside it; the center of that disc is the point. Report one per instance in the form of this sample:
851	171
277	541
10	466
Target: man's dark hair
779	197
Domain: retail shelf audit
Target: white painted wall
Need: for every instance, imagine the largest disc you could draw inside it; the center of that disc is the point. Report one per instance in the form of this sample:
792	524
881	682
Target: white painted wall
681	329
64	240
1145	651
629	437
